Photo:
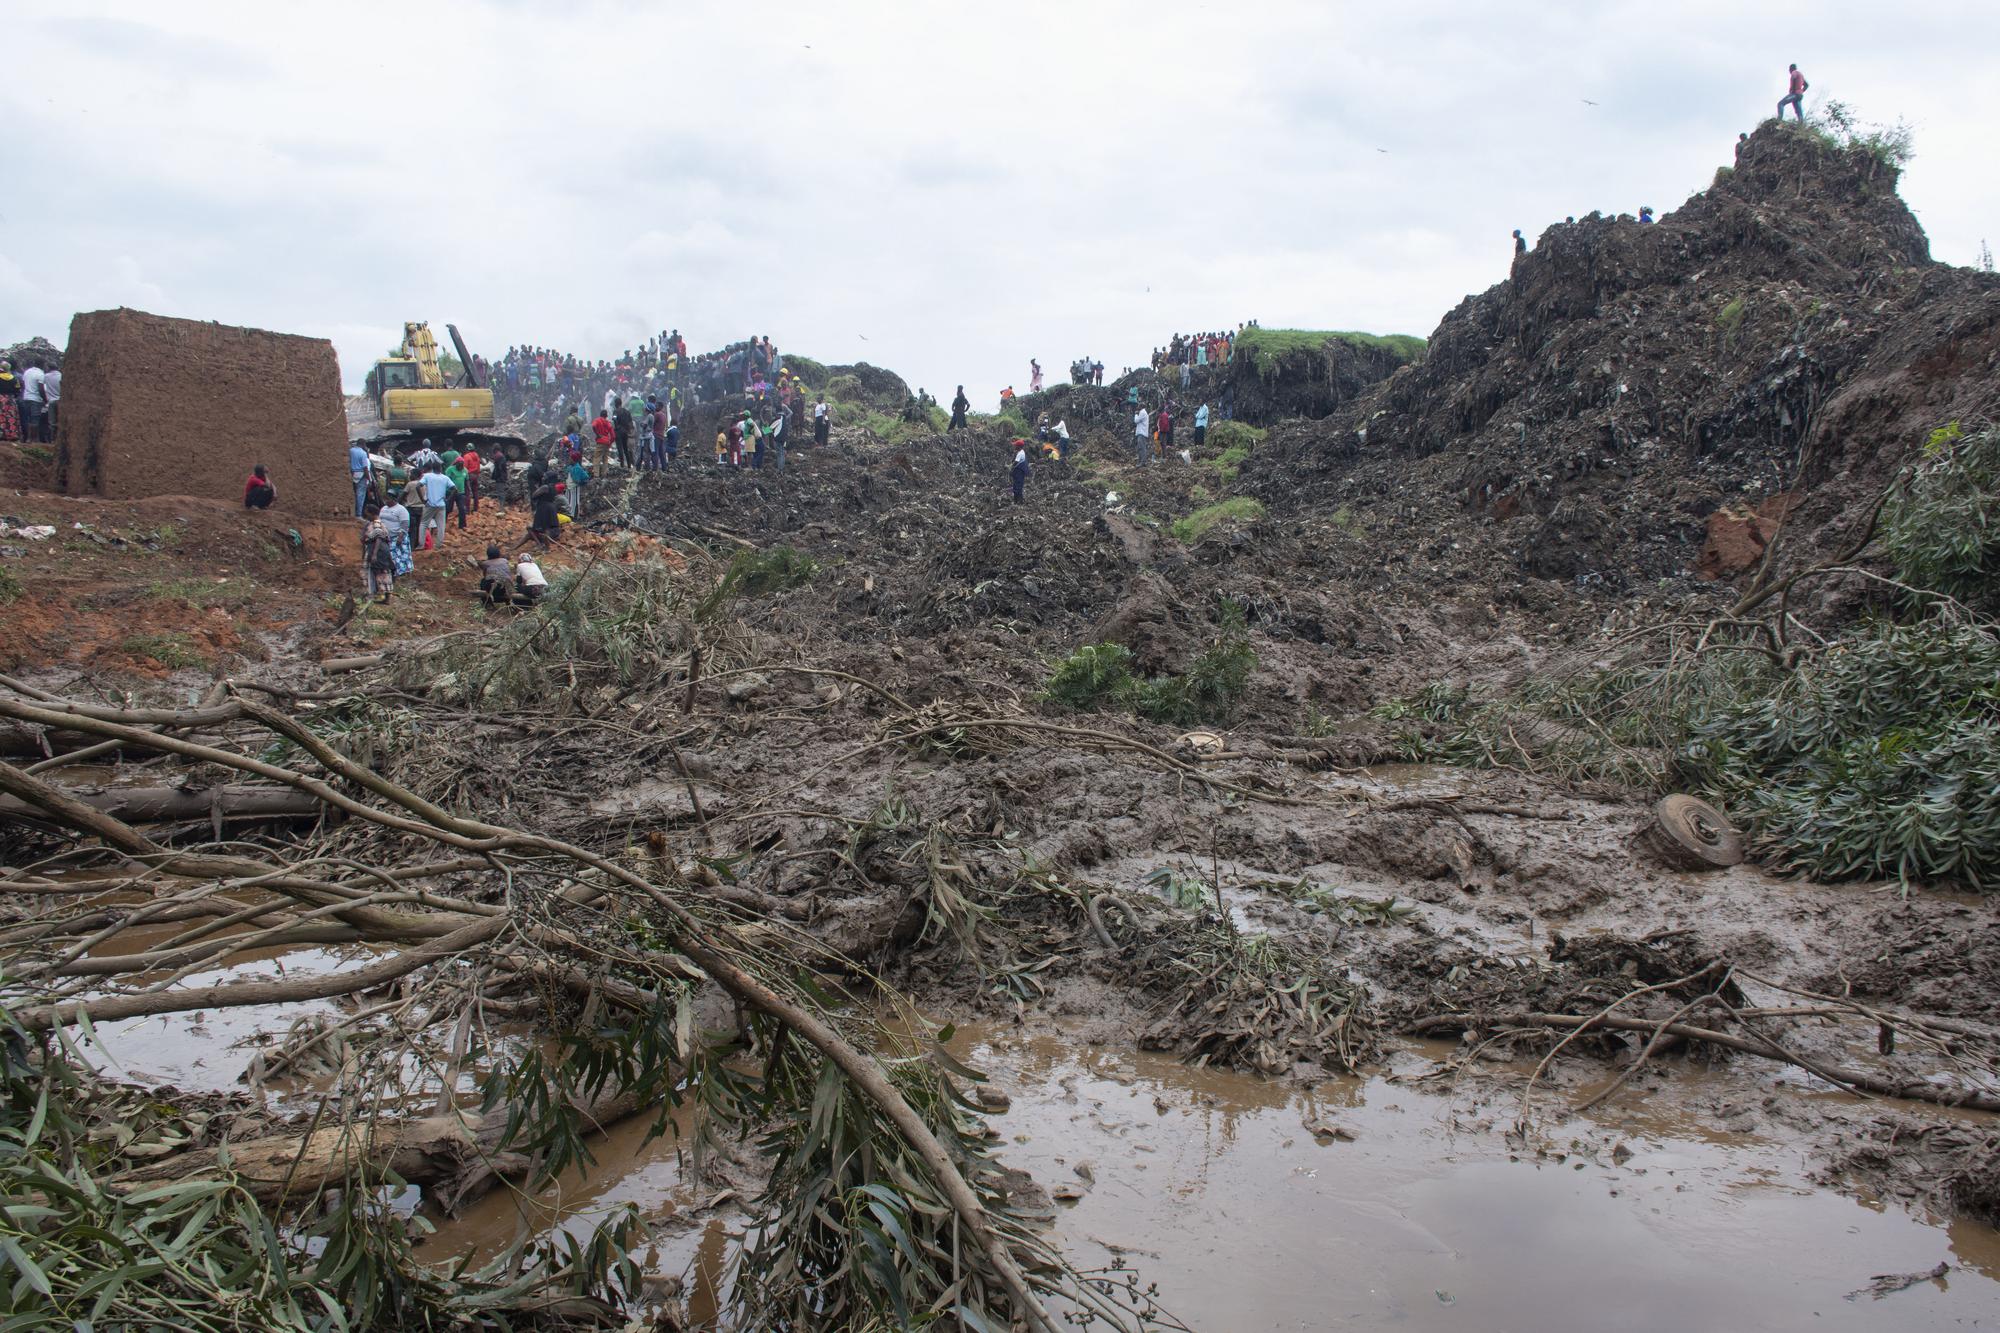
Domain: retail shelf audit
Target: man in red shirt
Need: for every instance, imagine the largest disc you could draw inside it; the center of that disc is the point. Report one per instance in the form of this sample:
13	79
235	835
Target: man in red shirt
469	460
1795	93
603	430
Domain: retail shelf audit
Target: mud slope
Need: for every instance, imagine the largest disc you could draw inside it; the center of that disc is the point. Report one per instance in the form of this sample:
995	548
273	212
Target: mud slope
1783	331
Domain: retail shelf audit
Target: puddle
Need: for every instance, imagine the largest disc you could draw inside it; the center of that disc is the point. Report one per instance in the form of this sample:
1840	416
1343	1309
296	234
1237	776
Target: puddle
207	1051
1213	1187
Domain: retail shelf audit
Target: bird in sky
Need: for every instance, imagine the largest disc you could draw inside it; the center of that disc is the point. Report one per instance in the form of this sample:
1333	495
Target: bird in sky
1586	101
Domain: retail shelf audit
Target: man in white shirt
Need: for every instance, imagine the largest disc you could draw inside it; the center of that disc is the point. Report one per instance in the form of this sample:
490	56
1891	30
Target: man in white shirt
34	422
52	396
1142	443
435	486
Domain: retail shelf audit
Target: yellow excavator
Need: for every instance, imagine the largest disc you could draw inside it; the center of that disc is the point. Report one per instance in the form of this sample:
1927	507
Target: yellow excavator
414	399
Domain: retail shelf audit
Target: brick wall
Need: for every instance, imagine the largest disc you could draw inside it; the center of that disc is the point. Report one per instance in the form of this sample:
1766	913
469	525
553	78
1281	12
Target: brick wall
157	406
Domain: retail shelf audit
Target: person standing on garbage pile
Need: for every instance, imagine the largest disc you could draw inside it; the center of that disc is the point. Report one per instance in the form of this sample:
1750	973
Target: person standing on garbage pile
753	440
10	403
1142	444
52	399
666	440
602	431
395	521
579	476
1020	471
1166	427
455	473
673	441
649	442
496	470
573	424
358	471
621	430
1201	426
822	422
436	490
1795	95
34	406
959	404
1520	243
475	467
1034	375
780	423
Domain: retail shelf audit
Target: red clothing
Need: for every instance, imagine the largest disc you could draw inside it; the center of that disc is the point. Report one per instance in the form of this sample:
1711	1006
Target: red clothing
254	484
601	428
469	460
1798	82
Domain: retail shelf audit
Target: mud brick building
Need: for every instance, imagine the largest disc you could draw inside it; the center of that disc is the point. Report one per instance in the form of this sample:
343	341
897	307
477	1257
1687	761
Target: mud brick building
158	406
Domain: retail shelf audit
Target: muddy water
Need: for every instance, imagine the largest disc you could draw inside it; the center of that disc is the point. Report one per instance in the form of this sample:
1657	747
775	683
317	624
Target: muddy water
1214	1187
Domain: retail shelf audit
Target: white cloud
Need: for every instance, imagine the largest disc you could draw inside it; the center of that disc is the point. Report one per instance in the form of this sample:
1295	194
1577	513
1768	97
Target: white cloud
964	186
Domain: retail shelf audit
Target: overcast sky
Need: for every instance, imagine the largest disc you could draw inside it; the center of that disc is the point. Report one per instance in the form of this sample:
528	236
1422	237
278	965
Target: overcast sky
943	189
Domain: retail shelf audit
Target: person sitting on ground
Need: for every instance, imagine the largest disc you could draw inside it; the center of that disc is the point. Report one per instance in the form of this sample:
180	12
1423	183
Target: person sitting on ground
496	579
529	583
258	492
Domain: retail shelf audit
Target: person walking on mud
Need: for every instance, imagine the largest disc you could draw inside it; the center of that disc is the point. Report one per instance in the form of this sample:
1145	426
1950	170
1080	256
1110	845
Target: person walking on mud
958	406
1795	94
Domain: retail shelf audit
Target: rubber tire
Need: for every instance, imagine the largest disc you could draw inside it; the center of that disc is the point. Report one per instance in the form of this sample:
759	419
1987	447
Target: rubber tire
1691	834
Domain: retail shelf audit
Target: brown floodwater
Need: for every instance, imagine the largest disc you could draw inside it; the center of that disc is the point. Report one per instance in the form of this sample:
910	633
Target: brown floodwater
1211	1185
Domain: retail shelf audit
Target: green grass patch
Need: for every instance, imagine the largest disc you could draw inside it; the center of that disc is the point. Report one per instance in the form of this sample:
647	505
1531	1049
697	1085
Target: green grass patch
1100	675
10	587
172	651
1239	509
1730	318
1267	347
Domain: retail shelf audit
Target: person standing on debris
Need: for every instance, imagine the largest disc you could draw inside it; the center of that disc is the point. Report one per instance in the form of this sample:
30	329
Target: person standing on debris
436	491
1062	440
498	468
395	521
1201	426
1645	214
649	443
822	422
455	473
1034	375
1742	142
358	470
666	437
579	477
474	467
958	406
1166	429
779	423
258	492
602	431
1020	471
52	398
10	403
1520	243
1142	443
621	429
34	424
1795	95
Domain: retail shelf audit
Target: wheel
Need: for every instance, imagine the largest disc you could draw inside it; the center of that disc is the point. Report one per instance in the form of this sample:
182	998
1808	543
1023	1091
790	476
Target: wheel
1691	834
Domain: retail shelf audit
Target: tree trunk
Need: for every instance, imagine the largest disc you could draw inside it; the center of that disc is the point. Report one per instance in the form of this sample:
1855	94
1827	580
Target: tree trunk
144	805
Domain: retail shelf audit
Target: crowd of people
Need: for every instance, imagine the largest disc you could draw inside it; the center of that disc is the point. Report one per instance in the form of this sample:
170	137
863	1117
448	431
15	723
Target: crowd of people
1189	352
546	383
29	401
